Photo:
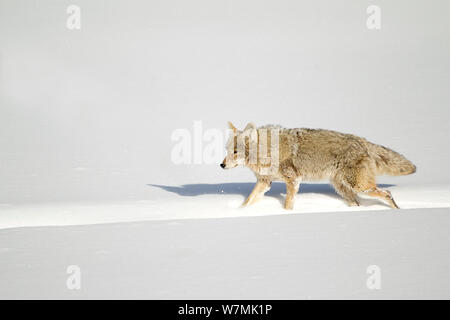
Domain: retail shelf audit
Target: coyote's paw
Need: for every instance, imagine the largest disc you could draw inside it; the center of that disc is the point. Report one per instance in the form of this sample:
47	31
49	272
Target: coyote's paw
391	200
353	203
245	204
289	206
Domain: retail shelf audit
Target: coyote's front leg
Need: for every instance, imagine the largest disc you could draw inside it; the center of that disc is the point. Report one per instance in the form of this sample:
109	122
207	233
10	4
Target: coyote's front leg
261	187
291	191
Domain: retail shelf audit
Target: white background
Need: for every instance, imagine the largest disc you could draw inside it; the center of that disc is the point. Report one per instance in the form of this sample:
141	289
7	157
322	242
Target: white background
86	118
88	114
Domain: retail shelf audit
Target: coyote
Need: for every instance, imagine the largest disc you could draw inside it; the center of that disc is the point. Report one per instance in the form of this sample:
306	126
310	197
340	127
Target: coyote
350	162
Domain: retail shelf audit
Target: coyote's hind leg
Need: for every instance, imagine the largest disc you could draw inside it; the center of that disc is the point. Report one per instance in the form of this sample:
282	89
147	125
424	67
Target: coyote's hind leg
360	180
382	194
345	191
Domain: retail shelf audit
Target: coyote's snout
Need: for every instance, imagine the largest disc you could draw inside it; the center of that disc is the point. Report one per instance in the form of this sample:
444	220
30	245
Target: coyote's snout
294	155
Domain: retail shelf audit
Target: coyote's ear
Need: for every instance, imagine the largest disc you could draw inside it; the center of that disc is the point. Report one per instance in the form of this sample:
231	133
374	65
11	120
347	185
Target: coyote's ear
250	125
231	126
250	130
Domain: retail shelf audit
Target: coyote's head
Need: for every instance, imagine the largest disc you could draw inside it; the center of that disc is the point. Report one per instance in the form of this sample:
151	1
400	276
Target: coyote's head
241	146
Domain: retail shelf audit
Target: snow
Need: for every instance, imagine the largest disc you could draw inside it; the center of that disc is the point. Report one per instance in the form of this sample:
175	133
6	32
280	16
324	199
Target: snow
290	256
194	241
202	201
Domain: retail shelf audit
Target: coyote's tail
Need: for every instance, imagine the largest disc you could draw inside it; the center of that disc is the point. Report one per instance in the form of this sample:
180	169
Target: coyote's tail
389	162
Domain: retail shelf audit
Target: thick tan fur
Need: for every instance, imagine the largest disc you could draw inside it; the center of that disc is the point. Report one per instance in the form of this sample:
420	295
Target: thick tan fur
351	163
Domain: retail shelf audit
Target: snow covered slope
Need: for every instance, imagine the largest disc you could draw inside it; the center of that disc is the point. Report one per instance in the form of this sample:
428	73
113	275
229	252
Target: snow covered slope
311	255
322	249
209	201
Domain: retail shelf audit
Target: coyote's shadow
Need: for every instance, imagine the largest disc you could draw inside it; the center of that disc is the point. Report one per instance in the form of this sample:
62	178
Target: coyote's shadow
244	189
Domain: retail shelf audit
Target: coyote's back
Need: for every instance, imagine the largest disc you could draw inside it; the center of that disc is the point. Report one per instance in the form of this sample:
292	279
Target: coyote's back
322	154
